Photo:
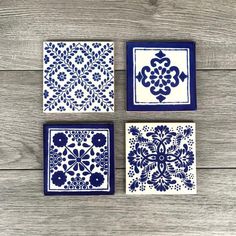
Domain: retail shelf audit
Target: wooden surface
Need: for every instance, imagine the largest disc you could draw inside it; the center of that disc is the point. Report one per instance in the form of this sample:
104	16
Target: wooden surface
25	211
24	25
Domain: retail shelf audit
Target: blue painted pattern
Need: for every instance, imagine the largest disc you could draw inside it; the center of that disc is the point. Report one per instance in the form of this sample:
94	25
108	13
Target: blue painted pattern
78	77
79	159
161	158
160	76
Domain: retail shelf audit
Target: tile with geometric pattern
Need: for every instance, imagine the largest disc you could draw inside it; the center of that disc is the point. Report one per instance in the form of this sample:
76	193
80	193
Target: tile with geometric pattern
78	77
160	158
161	76
78	159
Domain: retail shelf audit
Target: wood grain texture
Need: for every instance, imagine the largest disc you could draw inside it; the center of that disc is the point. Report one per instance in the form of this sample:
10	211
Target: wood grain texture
26	24
25	211
21	119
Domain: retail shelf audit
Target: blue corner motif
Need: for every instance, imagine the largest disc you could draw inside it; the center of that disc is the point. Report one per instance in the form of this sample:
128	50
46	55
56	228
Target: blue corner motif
78	77
160	76
79	159
161	158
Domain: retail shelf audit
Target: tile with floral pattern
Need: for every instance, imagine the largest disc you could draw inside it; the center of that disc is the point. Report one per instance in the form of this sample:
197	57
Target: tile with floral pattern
78	77
78	159
160	158
161	76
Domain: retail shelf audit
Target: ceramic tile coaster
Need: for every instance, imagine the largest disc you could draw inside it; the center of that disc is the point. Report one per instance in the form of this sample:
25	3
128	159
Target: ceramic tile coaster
78	159
78	77
161	76
160	158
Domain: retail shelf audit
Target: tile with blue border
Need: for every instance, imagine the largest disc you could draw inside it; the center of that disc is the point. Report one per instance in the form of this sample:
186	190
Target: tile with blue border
78	159
161	76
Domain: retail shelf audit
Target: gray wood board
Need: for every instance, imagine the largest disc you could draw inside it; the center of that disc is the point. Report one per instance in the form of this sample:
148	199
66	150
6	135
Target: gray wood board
21	119
26	24
25	211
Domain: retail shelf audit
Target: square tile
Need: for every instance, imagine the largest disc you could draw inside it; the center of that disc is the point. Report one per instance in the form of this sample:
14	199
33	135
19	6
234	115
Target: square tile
78	77
160	158
78	159
161	76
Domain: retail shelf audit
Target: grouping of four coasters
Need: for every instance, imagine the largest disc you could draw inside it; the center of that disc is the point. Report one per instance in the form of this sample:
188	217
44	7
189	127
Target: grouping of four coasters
160	157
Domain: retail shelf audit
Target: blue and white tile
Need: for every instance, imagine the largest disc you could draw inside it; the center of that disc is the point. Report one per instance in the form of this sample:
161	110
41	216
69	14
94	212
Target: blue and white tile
78	159
161	76
160	158
78	77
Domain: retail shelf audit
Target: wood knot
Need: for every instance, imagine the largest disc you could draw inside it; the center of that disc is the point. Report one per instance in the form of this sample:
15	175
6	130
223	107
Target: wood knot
153	2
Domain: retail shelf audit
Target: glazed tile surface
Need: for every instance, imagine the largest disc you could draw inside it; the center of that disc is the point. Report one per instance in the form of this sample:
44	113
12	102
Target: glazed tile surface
78	159
160	158
161	76
78	77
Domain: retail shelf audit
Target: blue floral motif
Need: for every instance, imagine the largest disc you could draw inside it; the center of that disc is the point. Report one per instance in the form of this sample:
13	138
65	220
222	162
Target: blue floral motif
111	60
79	136
79	159
101	160
61	108
55	158
99	140
111	94
161	157
79	59
96	179
160	76
60	140
78	183
46	59
96	76
96	108
45	93
59	178
79	93
61	76
96	45
74	66
61	45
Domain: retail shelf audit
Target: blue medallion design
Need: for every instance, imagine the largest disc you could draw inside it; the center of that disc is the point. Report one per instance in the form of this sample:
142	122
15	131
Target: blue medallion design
160	76
161	158
78	77
79	159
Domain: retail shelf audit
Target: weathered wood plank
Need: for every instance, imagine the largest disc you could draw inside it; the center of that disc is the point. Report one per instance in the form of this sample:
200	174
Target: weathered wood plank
25	211
26	24
21	119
